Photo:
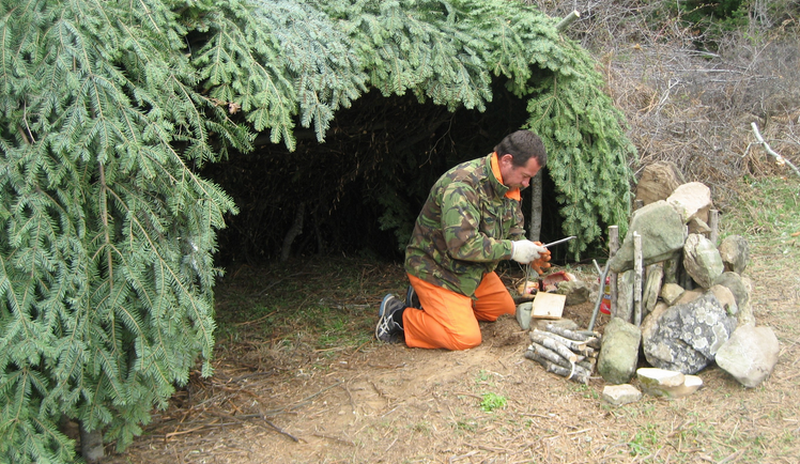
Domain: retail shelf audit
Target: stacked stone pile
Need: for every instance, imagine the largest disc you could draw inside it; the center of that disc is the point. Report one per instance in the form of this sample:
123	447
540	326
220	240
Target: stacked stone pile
695	301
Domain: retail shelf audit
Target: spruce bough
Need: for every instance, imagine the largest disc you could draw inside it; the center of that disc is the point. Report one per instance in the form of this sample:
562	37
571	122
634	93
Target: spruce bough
108	108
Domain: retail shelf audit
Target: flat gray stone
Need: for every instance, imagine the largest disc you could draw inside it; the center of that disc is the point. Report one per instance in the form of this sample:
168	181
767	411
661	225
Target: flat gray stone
619	395
666	383
662	230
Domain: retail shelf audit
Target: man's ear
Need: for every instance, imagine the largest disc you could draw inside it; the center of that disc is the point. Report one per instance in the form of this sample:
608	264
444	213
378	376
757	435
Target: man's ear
507	160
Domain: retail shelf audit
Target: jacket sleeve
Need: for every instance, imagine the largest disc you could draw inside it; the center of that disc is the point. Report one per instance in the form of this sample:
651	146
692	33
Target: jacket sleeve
461	217
518	229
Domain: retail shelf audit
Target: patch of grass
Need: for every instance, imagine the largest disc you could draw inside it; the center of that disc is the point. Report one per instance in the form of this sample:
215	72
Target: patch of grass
585	390
330	303
492	401
644	441
766	212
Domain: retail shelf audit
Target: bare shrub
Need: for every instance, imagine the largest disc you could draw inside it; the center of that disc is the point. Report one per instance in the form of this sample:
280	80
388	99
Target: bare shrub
694	107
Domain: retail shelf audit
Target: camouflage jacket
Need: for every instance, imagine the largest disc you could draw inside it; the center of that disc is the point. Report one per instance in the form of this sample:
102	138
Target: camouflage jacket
464	229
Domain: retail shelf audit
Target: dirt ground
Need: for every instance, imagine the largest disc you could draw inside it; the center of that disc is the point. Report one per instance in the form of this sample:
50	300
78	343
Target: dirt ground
281	400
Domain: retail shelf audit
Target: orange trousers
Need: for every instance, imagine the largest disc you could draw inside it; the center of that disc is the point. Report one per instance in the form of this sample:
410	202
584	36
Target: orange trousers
450	320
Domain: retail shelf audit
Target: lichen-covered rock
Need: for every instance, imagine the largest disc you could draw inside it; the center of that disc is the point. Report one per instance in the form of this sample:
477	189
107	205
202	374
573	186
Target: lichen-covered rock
686	337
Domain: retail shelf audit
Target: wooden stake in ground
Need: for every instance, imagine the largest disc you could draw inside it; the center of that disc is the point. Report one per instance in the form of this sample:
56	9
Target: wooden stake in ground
638	268
713	224
613	247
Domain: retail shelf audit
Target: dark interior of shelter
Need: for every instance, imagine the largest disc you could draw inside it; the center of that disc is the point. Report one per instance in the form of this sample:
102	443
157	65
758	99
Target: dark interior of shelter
359	192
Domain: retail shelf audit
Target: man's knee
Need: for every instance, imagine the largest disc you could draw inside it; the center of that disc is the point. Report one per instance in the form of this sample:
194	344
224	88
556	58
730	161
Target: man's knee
464	341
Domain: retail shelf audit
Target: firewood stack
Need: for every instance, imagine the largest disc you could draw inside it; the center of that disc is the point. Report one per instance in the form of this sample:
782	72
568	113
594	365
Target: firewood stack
565	352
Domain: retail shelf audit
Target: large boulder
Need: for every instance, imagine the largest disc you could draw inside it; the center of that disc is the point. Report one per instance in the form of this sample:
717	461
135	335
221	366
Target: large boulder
749	355
686	337
663	232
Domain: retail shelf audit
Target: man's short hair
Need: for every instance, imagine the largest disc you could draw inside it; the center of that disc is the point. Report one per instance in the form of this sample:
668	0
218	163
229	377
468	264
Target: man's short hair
522	145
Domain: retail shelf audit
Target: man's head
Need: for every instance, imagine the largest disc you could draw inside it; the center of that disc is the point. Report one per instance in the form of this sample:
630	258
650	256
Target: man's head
522	145
520	155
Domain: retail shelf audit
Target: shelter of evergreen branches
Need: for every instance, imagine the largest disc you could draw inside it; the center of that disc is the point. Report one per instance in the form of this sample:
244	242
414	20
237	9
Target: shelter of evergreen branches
127	131
422	89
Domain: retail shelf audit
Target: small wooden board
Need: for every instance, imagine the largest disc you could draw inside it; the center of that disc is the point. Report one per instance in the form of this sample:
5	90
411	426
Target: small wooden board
548	305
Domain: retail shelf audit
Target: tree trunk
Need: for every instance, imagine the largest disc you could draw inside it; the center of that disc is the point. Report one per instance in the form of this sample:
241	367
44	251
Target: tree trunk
91	445
294	231
535	227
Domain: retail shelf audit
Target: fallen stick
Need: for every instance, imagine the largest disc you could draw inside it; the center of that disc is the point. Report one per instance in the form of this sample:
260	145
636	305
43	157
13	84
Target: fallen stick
556	345
778	158
571	344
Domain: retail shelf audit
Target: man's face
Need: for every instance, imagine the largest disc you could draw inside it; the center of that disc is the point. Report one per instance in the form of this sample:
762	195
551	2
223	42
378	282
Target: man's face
517	176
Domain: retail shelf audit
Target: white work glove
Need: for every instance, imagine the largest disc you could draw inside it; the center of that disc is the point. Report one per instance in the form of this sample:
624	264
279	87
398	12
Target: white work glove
525	251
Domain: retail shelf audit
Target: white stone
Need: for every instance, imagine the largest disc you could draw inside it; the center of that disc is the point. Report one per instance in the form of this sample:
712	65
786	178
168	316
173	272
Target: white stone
749	355
621	394
689	199
659	377
666	383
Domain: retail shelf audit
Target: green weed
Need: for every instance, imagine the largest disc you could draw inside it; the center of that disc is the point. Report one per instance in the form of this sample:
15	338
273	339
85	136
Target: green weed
492	401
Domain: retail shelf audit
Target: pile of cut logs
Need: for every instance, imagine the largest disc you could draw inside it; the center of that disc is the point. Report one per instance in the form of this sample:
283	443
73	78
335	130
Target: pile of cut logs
568	353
